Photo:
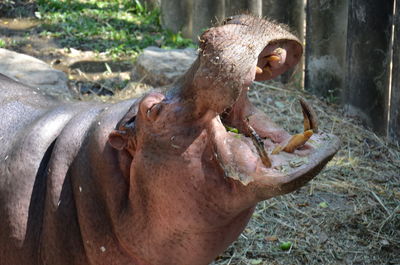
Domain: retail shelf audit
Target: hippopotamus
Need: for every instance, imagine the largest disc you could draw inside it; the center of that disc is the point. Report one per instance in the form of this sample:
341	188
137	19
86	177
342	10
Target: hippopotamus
169	178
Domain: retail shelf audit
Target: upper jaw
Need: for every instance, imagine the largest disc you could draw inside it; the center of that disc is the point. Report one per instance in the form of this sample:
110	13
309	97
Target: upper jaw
235	54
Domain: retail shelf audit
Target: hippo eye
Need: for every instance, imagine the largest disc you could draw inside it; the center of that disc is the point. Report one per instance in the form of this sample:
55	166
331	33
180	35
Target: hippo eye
153	112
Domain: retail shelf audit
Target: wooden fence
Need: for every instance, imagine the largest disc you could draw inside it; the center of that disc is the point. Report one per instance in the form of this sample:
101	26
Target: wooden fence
352	50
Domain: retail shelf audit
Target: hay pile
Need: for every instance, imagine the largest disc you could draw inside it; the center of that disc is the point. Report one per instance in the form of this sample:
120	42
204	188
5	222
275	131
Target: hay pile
349	214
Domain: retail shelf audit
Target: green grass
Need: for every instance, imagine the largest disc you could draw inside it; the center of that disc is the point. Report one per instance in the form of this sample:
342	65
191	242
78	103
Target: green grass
2	43
119	27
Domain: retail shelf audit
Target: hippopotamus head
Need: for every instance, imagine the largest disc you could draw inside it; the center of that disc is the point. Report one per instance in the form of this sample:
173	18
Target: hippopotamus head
200	156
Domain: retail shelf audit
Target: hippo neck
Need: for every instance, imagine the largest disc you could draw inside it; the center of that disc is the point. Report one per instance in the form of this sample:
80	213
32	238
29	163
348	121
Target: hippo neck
158	244
161	227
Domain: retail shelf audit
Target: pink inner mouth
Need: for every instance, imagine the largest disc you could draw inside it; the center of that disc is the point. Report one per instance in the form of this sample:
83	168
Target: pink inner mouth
277	58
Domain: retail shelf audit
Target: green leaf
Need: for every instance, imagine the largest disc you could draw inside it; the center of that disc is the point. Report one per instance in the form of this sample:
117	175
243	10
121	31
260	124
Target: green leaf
255	261
139	6
323	205
286	245
231	129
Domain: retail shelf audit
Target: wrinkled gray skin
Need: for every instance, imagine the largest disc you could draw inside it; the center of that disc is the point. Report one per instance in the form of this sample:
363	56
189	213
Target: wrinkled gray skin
156	180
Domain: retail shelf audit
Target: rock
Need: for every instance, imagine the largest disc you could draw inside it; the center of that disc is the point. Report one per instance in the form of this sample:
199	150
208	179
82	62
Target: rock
159	67
32	72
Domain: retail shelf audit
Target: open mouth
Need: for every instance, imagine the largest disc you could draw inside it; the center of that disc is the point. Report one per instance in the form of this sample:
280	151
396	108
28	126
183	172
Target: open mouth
250	145
248	148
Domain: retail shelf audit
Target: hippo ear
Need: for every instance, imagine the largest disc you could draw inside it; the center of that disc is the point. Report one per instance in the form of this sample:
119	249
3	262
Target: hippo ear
118	139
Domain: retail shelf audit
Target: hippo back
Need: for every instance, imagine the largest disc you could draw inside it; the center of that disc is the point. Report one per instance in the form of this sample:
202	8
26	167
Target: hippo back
40	137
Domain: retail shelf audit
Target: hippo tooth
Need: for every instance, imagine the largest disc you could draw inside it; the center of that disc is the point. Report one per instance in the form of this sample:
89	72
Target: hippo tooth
259	144
310	118
278	148
297	140
273	58
259	70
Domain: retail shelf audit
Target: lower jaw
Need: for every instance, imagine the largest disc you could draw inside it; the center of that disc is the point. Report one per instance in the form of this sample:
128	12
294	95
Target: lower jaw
246	160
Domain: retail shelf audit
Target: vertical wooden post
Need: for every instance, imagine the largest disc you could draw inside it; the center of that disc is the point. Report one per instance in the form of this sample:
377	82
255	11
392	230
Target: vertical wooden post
235	7
176	15
394	121
291	13
206	12
192	17
368	54
325	70
255	7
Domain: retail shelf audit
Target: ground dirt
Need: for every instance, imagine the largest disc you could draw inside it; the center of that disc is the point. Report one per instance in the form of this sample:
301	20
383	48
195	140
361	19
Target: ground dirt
92	76
349	214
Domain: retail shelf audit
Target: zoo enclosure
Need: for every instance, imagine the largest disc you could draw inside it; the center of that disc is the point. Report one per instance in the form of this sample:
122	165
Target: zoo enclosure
352	51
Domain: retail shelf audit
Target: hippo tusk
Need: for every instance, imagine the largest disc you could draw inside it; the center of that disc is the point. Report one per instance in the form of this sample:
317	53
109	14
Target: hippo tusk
297	140
310	118
310	127
259	144
277	149
258	70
